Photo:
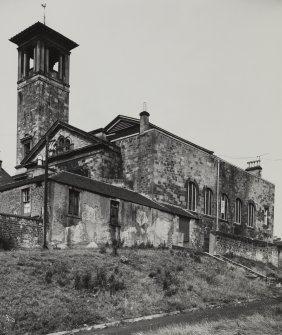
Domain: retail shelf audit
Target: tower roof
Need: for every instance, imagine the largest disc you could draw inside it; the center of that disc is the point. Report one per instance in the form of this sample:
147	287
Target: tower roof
40	29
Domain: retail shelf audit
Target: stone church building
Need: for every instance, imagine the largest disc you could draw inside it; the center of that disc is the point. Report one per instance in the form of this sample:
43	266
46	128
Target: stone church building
149	184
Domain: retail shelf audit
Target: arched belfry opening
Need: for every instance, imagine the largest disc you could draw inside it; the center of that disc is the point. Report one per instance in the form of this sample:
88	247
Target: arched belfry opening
43	82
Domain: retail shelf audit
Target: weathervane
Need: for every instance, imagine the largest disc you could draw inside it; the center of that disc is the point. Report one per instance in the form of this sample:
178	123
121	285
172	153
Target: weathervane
44	6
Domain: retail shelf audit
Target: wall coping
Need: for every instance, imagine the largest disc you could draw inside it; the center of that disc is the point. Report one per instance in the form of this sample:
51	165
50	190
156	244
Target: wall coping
22	217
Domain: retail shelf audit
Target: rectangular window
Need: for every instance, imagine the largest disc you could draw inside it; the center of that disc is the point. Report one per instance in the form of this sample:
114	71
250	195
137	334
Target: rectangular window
238	211
114	212
251	215
26	148
26	200
224	207
266	217
208	201
74	202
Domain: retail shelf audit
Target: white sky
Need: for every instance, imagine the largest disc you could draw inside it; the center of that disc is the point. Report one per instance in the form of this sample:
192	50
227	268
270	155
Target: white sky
209	70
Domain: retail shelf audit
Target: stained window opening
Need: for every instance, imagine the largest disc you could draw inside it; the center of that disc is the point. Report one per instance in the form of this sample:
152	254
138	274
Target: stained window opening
27	148
114	212
74	202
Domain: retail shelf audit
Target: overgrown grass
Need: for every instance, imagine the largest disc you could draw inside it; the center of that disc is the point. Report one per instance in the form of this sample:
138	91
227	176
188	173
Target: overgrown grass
265	269
269	323
47	291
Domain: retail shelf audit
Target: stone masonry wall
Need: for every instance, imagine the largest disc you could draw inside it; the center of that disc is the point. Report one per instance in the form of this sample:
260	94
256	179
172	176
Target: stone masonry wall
161	166
11	200
222	245
137	223
98	165
24	232
42	102
137	162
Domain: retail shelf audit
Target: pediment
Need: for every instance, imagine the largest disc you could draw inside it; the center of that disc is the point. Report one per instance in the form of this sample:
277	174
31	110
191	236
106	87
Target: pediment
121	123
62	138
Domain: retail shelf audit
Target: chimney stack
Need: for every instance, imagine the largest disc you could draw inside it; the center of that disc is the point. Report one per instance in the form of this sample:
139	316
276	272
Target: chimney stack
144	120
254	168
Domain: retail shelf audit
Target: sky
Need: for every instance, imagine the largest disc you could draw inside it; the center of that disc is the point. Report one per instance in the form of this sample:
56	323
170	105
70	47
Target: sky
209	70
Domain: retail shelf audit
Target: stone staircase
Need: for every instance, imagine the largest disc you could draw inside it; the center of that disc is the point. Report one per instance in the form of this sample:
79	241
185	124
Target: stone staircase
252	273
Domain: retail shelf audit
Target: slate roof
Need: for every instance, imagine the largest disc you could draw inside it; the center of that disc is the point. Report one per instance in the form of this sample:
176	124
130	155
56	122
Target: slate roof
98	187
41	29
112	191
15	184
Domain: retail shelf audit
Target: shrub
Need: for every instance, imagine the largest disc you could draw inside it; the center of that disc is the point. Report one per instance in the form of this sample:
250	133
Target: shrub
196	257
48	276
99	281
7	243
103	249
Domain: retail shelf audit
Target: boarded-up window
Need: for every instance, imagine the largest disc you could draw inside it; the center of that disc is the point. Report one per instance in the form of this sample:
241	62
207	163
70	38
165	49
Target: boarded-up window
74	202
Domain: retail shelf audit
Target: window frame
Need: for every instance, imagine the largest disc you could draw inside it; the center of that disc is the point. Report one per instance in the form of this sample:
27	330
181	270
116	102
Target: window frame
114	209
208	200
26	201
224	198
192	196
74	202
251	215
238	211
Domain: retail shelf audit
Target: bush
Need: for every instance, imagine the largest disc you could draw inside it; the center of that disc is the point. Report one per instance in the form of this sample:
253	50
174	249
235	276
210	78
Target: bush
196	257
103	249
7	243
99	281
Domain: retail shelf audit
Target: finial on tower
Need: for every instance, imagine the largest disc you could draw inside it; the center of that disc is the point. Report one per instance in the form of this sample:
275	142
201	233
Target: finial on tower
44	6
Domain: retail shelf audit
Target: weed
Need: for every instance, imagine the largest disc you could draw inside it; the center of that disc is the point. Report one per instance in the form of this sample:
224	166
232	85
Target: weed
103	249
179	268
7	243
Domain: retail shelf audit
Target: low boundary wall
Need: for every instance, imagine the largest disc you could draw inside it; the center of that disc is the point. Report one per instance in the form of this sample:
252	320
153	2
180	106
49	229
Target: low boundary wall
24	232
223	243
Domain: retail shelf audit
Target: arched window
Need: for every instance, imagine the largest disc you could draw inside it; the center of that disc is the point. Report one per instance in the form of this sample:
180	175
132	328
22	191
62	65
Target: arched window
192	194
67	144
63	144
224	207
238	211
251	214
208	201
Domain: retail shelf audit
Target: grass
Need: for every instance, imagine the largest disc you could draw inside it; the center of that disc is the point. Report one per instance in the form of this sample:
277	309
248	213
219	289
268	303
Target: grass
48	291
269	323
265	269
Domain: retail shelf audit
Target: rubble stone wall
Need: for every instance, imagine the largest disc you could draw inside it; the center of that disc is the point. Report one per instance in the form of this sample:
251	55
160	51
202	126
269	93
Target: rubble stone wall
22	231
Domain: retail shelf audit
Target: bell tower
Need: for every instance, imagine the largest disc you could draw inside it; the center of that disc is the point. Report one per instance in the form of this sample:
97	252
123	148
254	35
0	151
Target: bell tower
43	83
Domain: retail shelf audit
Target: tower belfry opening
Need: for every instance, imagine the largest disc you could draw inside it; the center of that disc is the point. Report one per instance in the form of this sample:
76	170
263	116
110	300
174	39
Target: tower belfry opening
43	82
